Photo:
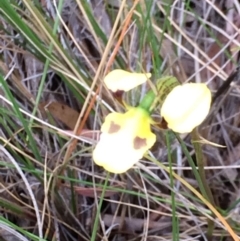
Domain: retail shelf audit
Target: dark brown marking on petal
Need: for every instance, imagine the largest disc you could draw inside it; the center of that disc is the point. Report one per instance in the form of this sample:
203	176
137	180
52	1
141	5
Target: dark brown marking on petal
138	142
163	124
113	128
118	95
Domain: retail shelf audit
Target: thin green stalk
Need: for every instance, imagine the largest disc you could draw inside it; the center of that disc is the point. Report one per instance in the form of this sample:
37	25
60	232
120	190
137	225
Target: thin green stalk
47	63
17	231
95	226
201	181
201	163
191	163
174	216
15	106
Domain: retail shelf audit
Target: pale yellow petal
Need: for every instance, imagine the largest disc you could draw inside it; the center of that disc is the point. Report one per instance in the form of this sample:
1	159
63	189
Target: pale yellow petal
115	153
111	119
186	107
124	140
119	79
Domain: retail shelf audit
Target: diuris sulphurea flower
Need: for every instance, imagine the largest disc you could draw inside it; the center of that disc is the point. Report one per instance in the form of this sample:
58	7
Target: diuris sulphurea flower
126	137
124	140
186	106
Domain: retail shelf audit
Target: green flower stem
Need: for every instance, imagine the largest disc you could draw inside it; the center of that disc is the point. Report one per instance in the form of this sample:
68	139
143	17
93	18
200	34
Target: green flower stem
201	163
97	217
191	163
147	101
173	201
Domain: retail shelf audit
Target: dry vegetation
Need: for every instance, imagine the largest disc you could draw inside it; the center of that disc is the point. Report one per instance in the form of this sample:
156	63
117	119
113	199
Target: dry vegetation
49	118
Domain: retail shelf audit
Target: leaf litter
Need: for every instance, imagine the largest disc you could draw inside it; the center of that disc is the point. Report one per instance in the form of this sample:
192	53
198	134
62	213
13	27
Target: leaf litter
136	206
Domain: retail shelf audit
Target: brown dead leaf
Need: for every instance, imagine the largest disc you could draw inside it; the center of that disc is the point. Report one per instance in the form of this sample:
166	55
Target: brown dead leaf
90	192
16	79
134	224
61	112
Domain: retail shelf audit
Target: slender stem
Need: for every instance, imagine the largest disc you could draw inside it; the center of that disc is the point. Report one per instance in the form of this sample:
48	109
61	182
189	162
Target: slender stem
148	100
97	217
201	163
192	164
174	216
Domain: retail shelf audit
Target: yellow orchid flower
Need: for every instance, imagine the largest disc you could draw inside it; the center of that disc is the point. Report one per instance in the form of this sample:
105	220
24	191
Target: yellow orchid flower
119	79
124	140
186	106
